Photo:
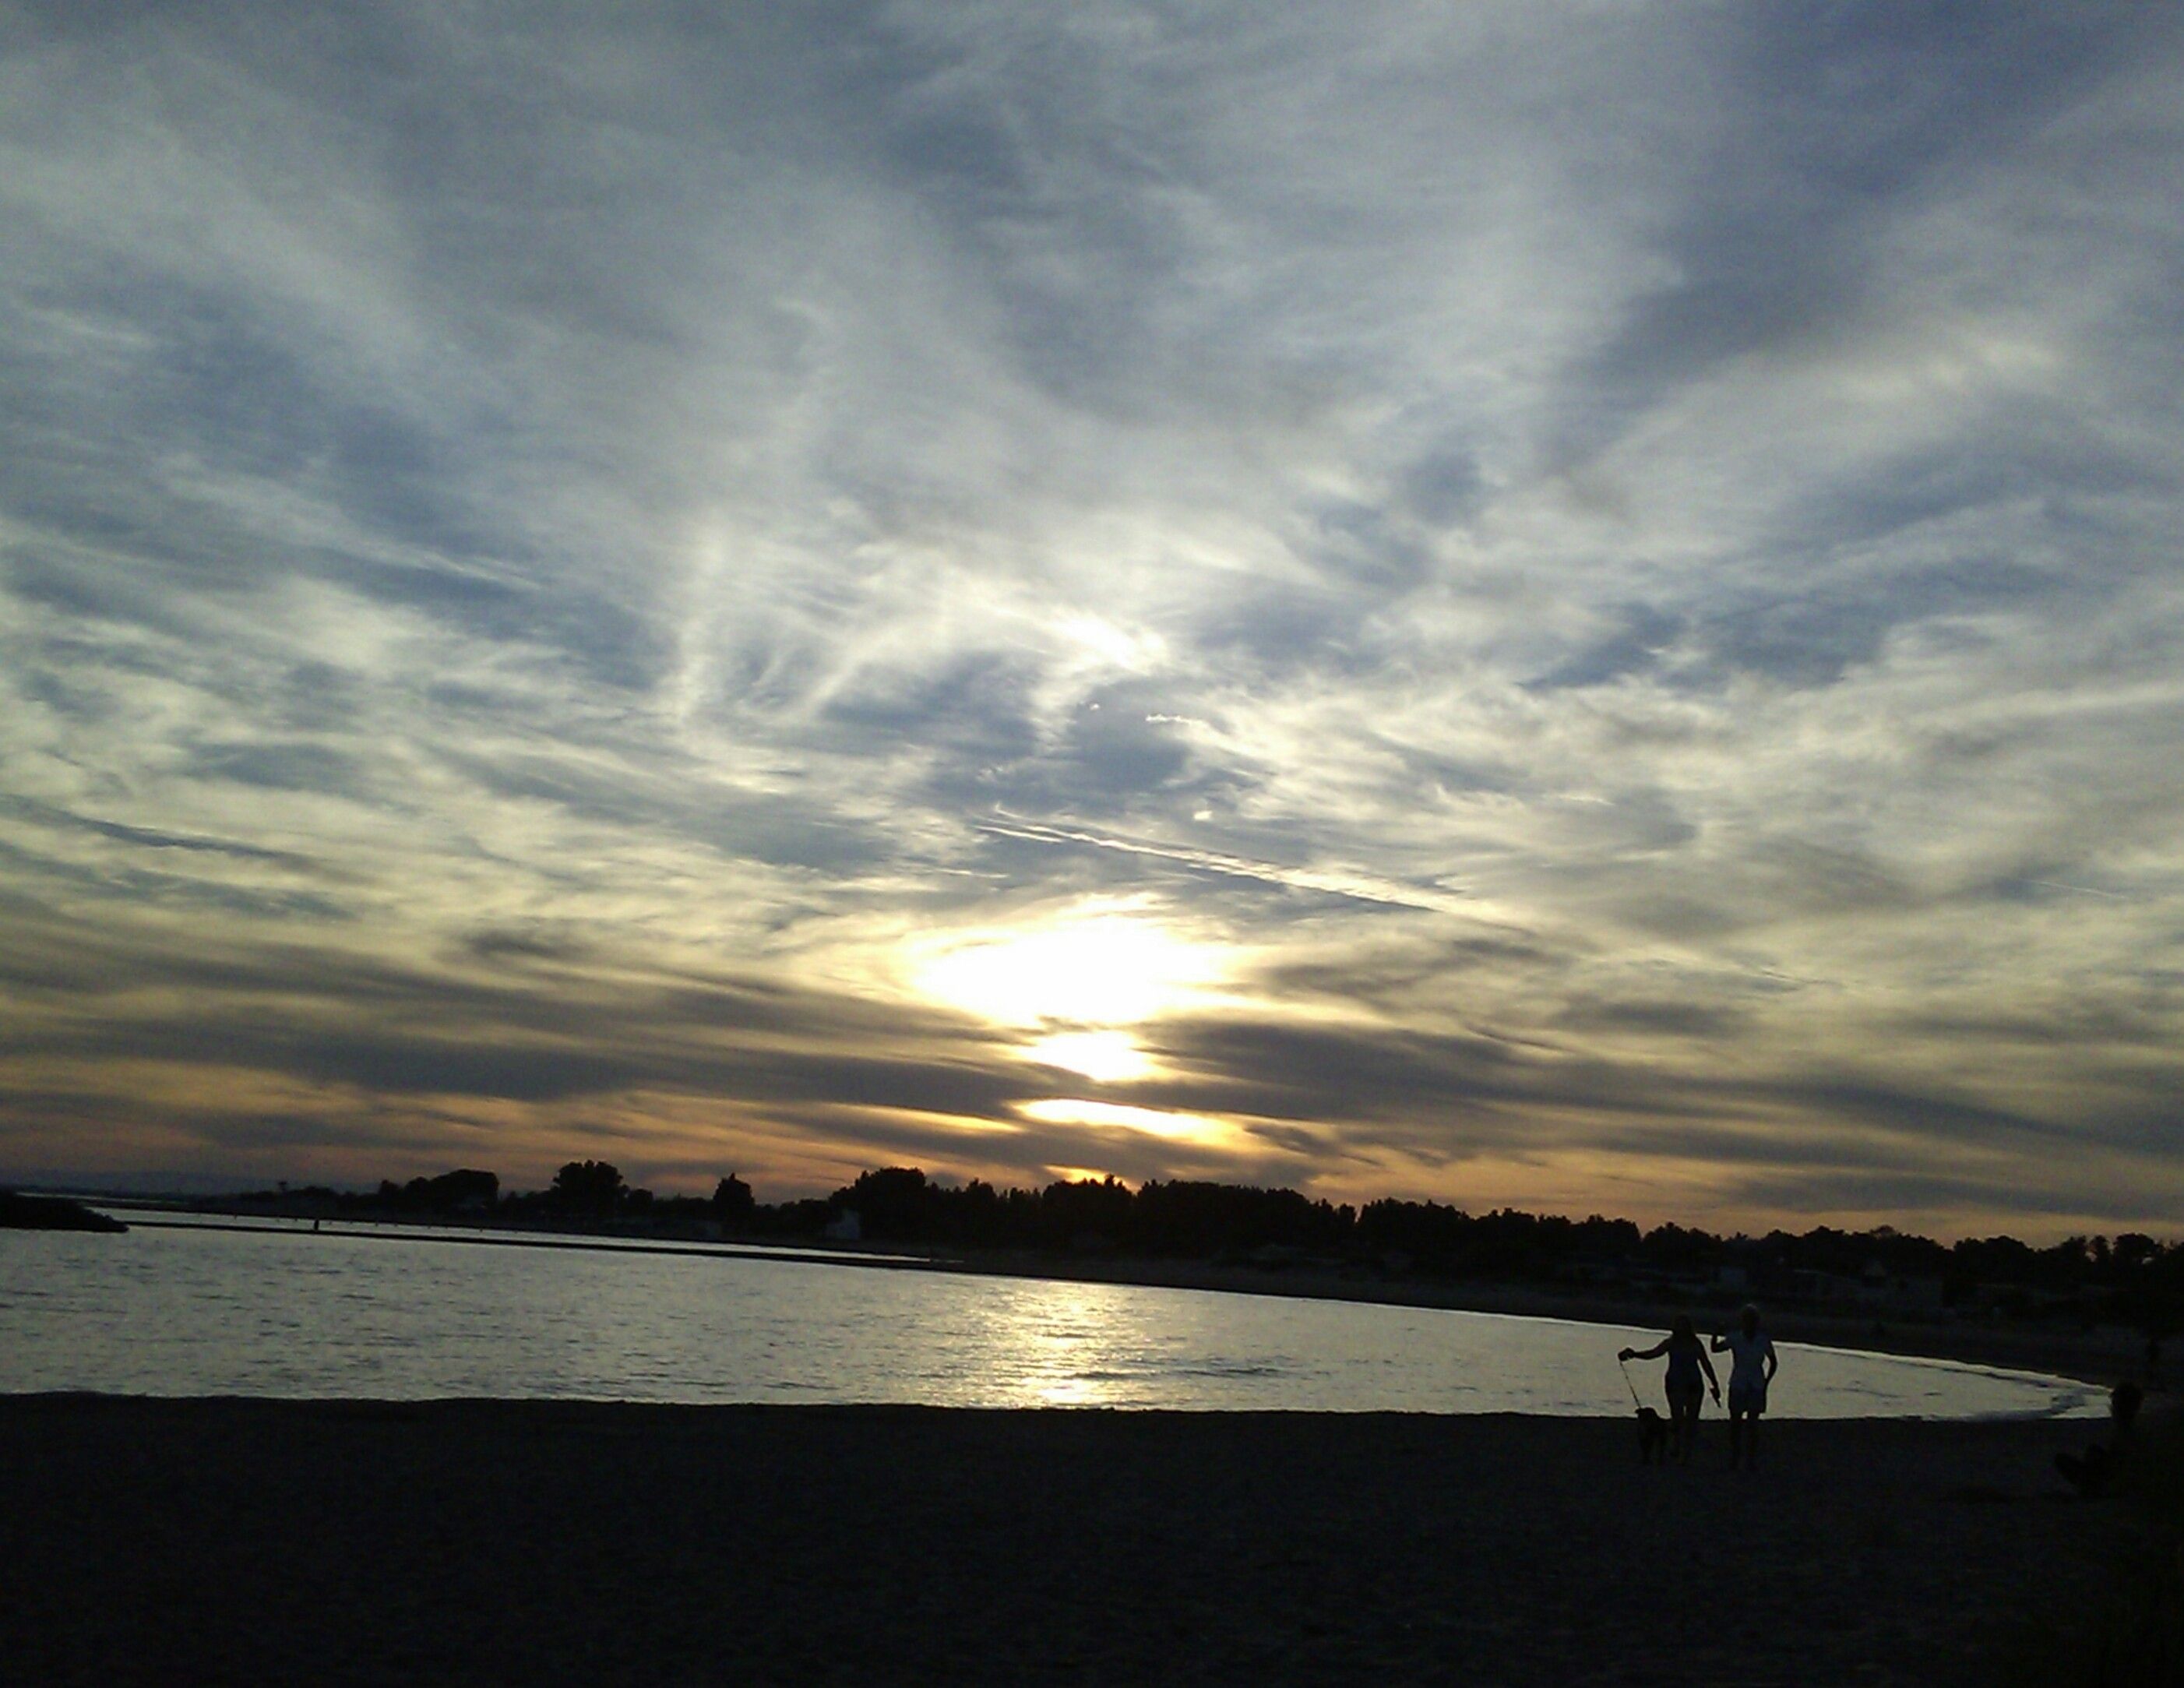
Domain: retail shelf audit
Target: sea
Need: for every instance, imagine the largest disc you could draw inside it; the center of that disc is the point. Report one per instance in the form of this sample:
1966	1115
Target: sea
274	1309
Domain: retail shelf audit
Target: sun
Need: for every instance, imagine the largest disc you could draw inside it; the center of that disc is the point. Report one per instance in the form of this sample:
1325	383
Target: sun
1095	970
1080	980
1103	1057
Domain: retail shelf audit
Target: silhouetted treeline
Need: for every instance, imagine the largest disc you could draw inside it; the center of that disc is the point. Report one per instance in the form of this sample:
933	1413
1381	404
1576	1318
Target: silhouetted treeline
592	1192
2133	1278
449	1193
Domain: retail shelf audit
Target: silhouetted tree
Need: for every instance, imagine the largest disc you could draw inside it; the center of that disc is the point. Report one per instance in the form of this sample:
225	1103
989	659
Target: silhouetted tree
592	1186
895	1201
449	1192
805	1218
733	1201
466	1187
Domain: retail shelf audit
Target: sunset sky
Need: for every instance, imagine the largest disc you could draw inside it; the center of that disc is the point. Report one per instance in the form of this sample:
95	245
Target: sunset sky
1567	604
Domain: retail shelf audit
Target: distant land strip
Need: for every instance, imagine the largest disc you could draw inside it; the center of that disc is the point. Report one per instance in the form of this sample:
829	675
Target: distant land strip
2089	1309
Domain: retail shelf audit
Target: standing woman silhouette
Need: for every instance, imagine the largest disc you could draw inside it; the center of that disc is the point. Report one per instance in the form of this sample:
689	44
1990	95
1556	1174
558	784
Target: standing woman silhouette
1687	1360
1753	1353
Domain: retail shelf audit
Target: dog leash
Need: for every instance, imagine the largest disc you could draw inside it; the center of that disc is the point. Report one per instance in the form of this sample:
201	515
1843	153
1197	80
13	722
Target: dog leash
1623	1367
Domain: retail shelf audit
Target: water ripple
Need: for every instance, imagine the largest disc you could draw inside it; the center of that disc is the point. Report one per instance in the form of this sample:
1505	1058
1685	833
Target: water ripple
282	1311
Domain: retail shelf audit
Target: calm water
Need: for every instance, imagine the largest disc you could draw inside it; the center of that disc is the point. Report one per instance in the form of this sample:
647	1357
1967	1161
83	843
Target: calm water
284	1313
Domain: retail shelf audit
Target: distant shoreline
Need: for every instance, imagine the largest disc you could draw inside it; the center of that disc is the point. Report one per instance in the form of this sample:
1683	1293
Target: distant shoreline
2097	1358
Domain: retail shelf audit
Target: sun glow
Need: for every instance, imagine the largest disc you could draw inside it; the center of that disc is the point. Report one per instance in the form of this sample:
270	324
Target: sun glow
1102	969
1153	1122
1103	1057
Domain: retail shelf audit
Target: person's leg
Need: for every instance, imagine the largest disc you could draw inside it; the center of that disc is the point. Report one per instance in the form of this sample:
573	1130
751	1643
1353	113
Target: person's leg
1752	1437
1735	1433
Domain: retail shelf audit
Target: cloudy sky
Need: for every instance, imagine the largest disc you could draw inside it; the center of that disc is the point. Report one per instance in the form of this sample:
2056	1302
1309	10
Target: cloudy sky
1573	604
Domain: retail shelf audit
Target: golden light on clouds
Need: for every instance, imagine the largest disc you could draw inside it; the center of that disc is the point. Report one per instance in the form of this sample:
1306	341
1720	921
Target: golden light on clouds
1080	1174
1197	1128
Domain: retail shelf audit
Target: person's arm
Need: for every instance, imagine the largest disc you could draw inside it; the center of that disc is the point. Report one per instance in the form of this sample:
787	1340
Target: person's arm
1772	1362
1713	1382
1720	1345
1653	1353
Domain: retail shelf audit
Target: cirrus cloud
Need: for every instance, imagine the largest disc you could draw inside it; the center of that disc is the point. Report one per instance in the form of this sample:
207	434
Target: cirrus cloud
1607	570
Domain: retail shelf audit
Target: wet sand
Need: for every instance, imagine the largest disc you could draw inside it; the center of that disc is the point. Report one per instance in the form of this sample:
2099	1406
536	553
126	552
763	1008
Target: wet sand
257	1542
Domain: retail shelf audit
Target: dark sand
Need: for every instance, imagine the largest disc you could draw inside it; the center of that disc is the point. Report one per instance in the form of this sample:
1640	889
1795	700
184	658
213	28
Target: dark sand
260	1543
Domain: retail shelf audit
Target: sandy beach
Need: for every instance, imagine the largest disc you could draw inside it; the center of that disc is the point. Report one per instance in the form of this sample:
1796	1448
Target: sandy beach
260	1542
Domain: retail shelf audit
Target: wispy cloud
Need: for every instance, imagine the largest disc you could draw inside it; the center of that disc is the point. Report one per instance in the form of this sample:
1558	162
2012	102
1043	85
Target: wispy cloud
1612	567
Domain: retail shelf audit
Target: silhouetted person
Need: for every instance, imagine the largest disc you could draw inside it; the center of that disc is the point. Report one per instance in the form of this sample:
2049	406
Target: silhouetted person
2091	1472
2123	1402
1752	1368
1687	1360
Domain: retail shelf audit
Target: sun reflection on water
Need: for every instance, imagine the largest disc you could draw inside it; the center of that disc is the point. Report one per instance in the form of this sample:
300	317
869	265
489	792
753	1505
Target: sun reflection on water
286	1312
1060	1336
